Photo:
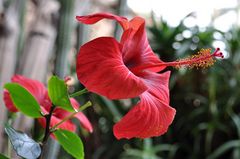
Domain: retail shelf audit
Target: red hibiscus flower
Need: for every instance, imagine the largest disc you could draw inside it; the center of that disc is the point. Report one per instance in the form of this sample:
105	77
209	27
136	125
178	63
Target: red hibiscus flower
128	69
38	90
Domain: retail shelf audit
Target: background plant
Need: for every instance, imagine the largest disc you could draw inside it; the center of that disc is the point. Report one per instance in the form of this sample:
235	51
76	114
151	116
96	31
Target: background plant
32	99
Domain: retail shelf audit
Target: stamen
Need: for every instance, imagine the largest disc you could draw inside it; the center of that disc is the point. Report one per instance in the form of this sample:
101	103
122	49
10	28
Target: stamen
202	59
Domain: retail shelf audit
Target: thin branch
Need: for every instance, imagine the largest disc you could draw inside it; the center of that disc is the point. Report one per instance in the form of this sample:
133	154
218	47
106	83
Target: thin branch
47	129
86	105
83	91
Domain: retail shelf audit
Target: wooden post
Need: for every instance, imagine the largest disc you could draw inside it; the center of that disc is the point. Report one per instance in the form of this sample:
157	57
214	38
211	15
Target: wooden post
121	10
67	28
9	31
38	49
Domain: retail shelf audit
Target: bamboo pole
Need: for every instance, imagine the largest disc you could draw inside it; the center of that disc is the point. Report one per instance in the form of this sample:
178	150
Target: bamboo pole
61	66
123	11
38	49
65	42
1	6
9	31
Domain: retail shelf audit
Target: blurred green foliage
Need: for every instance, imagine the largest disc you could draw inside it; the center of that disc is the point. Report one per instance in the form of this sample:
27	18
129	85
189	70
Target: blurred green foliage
206	124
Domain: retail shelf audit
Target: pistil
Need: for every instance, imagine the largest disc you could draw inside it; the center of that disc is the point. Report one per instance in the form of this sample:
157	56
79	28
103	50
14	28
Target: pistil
202	59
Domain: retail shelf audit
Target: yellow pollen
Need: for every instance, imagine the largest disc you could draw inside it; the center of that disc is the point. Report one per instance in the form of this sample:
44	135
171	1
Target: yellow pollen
203	59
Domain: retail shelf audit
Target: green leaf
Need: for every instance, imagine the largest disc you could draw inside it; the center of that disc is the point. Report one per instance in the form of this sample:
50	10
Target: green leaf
23	100
70	142
24	146
58	93
224	148
3	157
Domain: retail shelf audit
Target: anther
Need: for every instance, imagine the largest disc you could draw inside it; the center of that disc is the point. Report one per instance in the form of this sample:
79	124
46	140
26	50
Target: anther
202	59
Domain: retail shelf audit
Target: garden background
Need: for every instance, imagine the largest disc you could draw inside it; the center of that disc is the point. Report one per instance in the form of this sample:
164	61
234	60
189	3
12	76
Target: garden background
39	38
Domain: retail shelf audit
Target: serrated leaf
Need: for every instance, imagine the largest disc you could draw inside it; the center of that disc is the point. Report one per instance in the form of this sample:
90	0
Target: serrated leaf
23	100
58	93
3	157
70	142
24	146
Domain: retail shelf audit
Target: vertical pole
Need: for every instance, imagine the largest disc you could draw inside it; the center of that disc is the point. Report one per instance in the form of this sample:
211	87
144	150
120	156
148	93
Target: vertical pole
122	10
9	31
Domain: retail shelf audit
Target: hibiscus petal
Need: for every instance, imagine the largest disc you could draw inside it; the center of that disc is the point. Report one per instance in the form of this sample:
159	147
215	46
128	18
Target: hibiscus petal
84	122
136	49
8	102
157	84
67	125
61	114
100	69
152	115
46	102
35	87
94	18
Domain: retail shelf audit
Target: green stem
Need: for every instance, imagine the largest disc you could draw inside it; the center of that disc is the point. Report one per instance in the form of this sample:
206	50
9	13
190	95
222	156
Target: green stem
83	91
86	105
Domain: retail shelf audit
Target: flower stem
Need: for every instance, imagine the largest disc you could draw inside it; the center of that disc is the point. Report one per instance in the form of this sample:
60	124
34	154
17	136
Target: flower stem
83	91
86	105
47	129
